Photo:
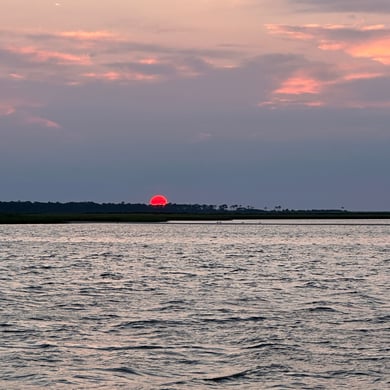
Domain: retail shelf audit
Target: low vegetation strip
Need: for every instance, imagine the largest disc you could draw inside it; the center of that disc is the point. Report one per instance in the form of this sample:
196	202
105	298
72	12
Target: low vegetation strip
155	217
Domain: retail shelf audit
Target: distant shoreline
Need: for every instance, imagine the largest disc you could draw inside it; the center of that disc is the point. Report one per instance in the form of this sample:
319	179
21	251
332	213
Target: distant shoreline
159	217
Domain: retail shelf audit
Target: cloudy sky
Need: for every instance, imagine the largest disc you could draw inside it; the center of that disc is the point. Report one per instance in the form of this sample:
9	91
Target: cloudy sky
252	102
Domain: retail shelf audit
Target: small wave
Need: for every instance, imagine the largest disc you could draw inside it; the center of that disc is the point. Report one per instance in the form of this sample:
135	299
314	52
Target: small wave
111	275
382	319
27	331
347	373
34	287
72	306
313	284
148	324
229	377
123	370
263	345
45	346
322	308
132	347
234	319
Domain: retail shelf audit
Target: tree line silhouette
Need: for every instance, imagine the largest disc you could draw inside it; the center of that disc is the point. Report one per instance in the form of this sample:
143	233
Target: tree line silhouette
27	207
56	212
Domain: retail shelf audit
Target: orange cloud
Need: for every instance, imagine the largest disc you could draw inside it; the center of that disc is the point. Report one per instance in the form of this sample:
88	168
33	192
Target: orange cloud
376	49
373	27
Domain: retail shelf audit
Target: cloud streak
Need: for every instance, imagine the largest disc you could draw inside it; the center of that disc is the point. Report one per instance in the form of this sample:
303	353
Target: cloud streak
93	36
35	54
372	6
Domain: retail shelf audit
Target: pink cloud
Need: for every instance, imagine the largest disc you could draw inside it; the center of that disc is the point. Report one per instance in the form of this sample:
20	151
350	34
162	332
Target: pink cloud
6	109
21	112
277	101
120	76
108	76
344	83
362	76
16	76
88	35
307	88
369	41
148	61
341	92
44	122
41	55
299	85
288	31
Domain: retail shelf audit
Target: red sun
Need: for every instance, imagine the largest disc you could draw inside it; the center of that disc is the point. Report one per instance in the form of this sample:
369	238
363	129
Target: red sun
158	200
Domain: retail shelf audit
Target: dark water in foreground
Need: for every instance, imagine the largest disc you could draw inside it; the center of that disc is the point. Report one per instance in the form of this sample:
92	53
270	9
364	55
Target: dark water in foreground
195	306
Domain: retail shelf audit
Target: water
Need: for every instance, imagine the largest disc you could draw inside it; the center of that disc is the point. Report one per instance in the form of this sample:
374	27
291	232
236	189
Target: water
166	306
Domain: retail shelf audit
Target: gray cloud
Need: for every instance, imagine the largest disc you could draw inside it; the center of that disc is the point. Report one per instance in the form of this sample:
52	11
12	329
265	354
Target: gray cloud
371	6
168	67
67	58
122	45
344	33
364	92
129	47
160	69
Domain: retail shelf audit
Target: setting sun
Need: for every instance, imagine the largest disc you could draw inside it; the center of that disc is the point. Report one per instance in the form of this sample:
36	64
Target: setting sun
158	200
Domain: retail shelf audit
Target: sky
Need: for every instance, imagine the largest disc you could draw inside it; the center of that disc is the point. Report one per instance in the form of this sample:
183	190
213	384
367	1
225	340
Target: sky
250	102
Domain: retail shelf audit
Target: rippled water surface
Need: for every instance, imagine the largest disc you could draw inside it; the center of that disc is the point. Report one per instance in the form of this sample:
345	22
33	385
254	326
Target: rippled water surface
176	306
